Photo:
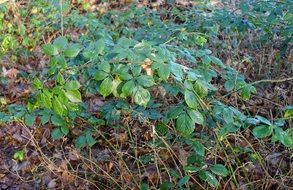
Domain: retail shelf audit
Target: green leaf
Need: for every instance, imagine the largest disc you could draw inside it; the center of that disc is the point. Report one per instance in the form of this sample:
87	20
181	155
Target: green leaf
199	148
57	120
30	119
128	87
210	178
50	49
166	185
200	88
100	75
164	71
58	106
106	87
73	95
80	142
64	129
56	134
105	66
37	84
262	131
60	79
72	85
184	125
60	42
19	155
141	96
90	140
263	120
174	112
219	169
145	80
229	85
191	169
196	116
190	99
144	186
183	181
45	118
71	52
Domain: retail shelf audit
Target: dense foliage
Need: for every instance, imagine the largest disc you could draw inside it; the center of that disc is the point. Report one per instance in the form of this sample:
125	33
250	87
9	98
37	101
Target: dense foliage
156	67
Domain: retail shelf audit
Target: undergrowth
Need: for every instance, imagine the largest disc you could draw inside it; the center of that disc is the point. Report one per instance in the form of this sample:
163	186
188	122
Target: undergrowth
145	85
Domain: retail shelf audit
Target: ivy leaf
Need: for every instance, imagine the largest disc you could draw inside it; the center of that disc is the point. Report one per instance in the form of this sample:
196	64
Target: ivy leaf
196	116
184	125
73	95
190	99
106	87
209	177
71	52
145	80
128	87
50	49
262	131
141	96
219	169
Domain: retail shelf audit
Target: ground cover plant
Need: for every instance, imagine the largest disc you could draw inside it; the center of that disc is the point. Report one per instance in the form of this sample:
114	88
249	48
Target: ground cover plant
146	95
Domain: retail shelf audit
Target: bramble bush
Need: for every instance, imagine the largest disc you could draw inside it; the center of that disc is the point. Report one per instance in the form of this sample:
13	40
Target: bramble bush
127	57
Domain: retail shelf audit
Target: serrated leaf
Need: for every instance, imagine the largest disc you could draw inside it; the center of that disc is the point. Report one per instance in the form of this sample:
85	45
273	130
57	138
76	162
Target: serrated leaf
141	96
61	42
263	120
145	80
73	95
57	120
220	170
183	180
29	120
190	99
128	88
196	116
106	87
199	148
209	177
184	125
56	134
200	88
229	85
80	142
50	49
190	169
72	85
71	52
58	106
100	75
164	71
262	131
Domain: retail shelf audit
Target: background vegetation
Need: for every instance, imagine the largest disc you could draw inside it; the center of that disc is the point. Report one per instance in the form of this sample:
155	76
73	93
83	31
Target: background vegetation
146	95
